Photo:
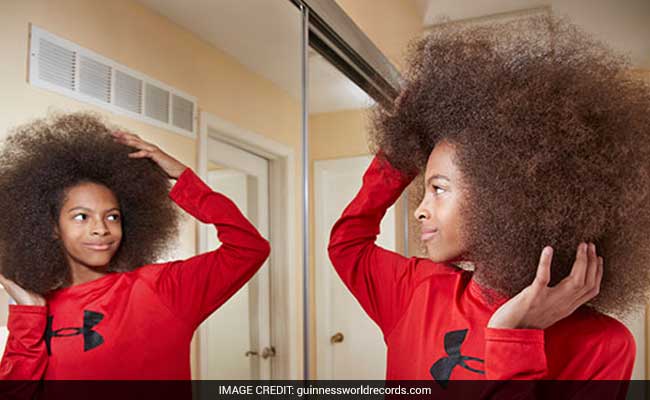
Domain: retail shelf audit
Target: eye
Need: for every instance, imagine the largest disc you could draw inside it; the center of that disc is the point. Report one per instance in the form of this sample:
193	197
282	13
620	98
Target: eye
114	217
437	189
80	217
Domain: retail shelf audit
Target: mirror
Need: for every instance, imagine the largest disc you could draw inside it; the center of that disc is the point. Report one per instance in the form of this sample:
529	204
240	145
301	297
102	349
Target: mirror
216	85
347	343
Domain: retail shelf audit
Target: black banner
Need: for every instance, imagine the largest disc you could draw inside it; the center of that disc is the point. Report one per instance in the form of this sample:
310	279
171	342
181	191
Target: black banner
298	390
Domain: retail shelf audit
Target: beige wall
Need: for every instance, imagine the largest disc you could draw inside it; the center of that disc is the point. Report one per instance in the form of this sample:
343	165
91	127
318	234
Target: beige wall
338	134
132	35
623	25
390	24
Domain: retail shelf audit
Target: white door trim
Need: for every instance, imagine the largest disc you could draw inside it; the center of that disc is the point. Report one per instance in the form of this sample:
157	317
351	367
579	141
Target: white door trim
283	216
245	164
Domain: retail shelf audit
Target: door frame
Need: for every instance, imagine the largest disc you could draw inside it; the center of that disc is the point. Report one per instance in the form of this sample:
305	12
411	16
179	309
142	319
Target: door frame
243	164
283	217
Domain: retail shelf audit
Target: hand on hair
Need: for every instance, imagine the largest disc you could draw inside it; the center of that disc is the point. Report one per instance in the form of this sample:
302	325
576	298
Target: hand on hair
539	306
169	164
21	296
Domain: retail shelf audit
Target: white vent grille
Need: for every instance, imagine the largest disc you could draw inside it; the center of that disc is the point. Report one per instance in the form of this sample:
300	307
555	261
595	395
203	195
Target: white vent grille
57	64
182	112
64	67
128	92
95	79
156	102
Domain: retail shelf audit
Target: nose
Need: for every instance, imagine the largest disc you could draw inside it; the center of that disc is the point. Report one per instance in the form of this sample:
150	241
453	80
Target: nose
100	228
422	213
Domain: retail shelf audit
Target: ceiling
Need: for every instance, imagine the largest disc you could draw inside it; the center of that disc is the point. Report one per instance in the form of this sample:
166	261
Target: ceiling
623	24
264	36
436	11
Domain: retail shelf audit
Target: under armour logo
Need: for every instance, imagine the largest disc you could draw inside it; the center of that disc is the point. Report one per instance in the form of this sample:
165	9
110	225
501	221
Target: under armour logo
441	369
92	339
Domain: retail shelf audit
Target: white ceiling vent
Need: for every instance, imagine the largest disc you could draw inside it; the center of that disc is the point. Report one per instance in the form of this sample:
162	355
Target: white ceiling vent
66	68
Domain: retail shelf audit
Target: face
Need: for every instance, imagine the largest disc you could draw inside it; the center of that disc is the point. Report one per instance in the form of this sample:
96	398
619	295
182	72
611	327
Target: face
439	212
90	226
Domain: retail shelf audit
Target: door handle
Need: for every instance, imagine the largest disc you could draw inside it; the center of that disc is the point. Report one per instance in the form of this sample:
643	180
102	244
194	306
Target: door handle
250	353
268	352
337	338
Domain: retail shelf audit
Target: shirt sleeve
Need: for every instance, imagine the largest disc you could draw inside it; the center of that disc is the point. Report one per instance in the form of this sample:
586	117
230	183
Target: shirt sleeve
607	361
25	356
196	287
514	354
601	368
382	281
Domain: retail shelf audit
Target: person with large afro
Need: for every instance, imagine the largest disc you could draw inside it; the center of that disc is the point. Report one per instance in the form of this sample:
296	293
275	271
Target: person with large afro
87	213
531	141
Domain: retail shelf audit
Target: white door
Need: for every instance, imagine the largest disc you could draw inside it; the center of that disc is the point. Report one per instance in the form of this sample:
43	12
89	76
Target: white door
361	354
235	341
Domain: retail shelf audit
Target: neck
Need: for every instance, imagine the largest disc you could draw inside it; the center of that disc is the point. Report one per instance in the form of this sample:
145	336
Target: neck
82	274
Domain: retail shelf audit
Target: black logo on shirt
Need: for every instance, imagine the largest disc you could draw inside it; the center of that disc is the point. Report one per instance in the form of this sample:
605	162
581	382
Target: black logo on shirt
441	369
92	339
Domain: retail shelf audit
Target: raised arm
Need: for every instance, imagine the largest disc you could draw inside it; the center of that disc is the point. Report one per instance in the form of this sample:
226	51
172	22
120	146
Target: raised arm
381	280
196	287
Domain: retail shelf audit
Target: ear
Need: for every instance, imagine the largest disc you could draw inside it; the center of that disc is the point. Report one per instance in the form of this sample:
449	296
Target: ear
56	234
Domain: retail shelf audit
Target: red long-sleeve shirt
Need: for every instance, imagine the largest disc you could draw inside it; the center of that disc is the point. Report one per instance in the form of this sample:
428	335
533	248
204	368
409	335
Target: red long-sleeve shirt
138	324
434	316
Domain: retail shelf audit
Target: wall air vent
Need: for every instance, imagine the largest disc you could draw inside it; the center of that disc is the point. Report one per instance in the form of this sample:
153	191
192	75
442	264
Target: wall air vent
94	79
156	103
61	66
128	92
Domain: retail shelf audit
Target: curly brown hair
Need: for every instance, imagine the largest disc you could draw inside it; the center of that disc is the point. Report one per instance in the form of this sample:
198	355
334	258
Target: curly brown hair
552	135
44	158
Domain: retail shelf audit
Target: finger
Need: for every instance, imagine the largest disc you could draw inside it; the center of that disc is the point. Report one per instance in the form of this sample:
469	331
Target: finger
140	154
138	144
599	274
595	290
543	275
6	281
592	269
580	266
601	269
123	134
133	136
9	285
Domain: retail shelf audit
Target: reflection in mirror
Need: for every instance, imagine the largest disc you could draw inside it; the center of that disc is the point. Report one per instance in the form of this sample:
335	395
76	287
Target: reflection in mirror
347	344
217	86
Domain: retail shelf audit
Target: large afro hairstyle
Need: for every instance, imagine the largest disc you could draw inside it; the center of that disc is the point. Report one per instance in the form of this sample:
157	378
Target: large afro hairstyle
551	134
44	158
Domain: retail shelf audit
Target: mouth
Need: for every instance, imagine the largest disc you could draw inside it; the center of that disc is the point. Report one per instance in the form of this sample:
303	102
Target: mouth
428	234
98	246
